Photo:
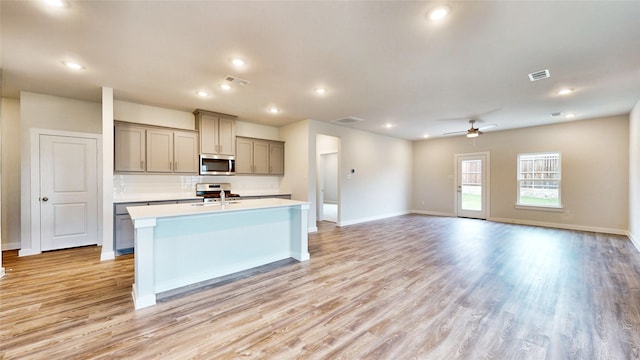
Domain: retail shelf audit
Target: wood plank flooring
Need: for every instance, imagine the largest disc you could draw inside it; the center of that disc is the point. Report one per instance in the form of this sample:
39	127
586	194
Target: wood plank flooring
409	287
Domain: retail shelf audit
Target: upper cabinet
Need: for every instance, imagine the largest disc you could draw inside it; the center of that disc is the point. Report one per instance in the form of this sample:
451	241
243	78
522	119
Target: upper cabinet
259	157
217	132
159	150
276	158
130	148
185	152
146	149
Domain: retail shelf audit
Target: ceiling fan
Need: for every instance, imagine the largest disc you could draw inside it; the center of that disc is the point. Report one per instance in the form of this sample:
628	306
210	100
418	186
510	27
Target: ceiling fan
473	131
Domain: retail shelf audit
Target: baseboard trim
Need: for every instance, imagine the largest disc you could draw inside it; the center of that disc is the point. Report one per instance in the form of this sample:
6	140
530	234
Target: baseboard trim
560	226
28	252
372	218
312	229
433	213
109	255
11	246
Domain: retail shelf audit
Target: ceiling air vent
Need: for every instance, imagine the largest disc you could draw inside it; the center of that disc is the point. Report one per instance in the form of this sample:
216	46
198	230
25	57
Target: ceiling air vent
237	81
347	120
539	75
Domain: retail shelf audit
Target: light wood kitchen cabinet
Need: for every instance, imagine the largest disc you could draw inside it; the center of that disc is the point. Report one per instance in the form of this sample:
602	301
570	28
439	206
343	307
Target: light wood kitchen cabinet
259	157
130	148
276	158
217	132
185	152
145	149
159	150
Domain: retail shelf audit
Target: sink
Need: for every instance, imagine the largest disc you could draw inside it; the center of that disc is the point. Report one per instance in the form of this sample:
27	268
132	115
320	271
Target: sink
214	203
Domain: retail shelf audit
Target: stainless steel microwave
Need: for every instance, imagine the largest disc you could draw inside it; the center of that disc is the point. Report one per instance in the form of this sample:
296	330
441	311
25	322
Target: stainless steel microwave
217	164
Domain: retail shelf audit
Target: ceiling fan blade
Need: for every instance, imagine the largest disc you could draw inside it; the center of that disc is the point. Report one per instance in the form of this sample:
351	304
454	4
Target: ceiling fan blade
487	127
456	132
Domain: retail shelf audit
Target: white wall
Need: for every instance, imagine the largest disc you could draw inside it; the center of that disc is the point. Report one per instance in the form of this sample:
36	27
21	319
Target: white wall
634	175
39	111
381	184
10	116
595	173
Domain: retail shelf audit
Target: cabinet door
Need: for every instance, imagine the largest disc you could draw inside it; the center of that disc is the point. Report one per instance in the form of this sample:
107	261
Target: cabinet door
276	158
226	136
260	157
159	150
129	148
244	156
124	232
185	152
208	127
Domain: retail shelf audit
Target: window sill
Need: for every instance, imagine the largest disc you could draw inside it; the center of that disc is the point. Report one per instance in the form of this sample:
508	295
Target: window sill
540	208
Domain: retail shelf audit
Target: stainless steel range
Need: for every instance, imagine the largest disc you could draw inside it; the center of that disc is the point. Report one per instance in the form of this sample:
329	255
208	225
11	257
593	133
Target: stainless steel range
211	192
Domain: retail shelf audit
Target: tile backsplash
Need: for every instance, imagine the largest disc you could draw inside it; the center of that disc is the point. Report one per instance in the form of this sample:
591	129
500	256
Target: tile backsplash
125	185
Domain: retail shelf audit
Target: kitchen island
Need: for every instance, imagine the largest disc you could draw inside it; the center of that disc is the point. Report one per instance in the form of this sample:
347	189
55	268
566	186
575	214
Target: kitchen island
178	245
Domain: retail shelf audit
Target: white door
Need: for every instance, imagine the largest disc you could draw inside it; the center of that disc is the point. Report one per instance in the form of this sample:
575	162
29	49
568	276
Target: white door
472	185
68	192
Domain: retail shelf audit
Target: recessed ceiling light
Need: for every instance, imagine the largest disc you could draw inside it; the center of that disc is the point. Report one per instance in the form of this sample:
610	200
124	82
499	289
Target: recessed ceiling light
570	115
274	110
388	126
226	87
425	136
73	65
439	13
57	3
238	62
565	91
321	91
202	93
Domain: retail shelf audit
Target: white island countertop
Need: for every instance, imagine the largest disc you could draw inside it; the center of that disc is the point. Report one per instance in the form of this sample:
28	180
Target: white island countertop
171	210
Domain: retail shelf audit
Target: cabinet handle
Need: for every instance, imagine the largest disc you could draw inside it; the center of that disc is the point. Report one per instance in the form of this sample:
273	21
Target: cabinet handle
170	165
141	164
175	166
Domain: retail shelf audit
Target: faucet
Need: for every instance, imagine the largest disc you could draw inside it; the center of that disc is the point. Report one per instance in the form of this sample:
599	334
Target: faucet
222	197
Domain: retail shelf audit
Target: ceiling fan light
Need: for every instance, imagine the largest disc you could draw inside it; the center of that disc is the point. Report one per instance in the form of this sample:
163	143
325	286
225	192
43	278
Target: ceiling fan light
471	133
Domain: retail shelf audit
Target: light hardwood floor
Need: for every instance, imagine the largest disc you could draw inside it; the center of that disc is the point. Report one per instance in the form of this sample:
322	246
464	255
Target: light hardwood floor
409	287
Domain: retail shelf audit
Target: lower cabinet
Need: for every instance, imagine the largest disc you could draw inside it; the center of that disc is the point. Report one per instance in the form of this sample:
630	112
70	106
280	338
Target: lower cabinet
123	231
123	234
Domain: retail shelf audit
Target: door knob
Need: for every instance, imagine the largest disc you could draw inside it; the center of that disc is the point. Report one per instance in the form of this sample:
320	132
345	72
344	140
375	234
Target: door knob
45	199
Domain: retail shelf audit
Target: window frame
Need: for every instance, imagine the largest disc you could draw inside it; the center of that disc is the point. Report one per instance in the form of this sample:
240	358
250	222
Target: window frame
520	179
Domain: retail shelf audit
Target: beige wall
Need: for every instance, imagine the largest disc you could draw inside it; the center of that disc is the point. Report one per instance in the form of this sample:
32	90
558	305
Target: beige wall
10	116
634	175
595	173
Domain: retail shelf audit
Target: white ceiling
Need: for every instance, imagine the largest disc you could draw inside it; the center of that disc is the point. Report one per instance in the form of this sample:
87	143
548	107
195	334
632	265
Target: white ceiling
381	61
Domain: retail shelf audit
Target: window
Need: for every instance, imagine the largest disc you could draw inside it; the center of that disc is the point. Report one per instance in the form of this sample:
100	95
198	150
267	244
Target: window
539	177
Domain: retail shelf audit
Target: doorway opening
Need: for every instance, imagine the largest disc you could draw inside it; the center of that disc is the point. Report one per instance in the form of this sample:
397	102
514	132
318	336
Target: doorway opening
472	185
327	179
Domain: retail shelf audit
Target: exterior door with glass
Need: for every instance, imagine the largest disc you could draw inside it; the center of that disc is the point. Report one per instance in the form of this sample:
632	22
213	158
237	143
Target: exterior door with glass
472	185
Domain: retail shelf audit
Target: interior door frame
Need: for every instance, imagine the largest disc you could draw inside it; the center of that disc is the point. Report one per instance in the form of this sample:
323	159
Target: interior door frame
486	182
319	178
34	210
